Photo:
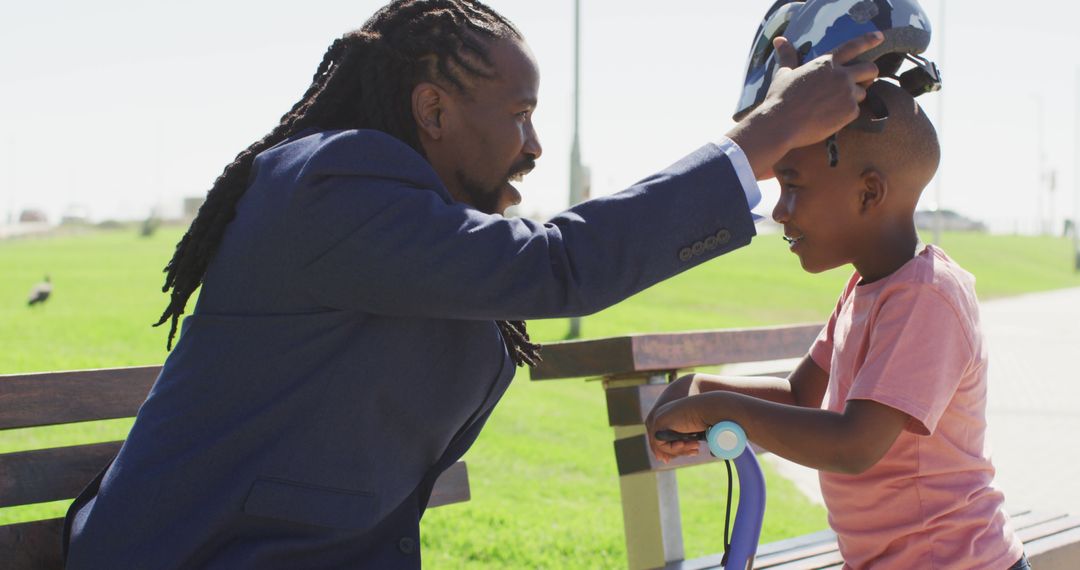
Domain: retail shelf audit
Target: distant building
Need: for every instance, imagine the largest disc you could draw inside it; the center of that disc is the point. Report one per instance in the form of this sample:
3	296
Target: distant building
75	215
950	221
32	216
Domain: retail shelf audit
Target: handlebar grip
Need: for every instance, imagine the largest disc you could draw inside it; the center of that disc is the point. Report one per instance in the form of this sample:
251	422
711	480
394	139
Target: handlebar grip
669	435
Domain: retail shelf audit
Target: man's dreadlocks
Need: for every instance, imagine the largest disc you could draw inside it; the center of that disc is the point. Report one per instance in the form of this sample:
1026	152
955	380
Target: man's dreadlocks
365	81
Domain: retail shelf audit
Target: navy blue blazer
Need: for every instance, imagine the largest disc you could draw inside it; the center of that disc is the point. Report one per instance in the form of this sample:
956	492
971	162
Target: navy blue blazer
343	352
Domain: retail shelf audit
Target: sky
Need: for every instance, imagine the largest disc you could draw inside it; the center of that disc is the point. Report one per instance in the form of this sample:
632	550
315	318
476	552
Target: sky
116	107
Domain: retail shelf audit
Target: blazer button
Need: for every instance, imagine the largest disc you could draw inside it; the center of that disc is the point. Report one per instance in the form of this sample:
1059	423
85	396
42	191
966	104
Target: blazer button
685	254
723	236
710	243
698	248
406	545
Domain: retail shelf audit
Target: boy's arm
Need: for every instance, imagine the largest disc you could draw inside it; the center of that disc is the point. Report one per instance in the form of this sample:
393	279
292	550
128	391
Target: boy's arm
805	387
847	442
795	429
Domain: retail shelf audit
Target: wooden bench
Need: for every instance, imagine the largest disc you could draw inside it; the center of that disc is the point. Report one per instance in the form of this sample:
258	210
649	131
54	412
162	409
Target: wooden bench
635	369
44	475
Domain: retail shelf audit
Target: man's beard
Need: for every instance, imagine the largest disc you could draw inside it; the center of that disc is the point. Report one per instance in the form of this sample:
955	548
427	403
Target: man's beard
487	199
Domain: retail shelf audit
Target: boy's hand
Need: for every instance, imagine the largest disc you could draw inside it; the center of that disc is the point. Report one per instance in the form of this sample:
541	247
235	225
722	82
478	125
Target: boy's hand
674	391
681	416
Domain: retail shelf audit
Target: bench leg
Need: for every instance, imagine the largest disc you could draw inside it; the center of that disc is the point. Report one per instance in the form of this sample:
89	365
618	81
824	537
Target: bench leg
651	519
650	501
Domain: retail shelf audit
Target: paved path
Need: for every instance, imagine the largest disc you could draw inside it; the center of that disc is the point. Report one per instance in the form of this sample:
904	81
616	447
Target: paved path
1034	403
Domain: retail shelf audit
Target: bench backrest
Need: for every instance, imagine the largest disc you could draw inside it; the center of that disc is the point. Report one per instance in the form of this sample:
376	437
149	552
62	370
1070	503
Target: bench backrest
43	475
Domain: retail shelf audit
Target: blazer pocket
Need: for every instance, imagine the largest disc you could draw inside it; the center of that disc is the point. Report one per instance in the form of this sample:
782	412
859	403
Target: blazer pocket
311	504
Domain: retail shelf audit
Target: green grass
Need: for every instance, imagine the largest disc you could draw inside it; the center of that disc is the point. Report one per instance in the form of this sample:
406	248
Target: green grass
545	492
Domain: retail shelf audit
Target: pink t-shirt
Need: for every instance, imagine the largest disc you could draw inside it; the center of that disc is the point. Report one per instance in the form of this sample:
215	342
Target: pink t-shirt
912	341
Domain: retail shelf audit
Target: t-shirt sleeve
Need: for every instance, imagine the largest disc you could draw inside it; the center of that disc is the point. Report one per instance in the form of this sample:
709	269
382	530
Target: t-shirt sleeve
821	349
919	349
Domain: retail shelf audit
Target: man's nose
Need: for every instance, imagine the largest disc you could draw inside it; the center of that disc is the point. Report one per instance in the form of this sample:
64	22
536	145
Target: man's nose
532	144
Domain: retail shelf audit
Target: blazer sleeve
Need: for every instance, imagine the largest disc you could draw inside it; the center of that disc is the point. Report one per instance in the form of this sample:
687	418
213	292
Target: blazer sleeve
388	246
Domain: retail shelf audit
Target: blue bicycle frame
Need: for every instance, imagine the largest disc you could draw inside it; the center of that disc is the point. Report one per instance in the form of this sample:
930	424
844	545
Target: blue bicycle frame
727	440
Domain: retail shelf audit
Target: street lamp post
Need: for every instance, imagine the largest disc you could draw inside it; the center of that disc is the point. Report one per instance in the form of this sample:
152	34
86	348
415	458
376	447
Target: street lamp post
577	170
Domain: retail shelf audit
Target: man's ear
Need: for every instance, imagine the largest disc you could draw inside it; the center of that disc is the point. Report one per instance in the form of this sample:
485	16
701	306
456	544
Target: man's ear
873	190
428	105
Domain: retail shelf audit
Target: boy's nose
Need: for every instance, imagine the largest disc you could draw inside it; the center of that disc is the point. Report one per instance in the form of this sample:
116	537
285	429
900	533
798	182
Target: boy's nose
781	213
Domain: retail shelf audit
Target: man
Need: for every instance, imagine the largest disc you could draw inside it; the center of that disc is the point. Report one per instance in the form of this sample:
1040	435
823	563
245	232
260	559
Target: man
363	297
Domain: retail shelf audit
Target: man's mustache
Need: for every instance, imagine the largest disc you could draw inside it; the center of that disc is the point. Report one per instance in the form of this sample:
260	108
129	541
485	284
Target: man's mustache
522	168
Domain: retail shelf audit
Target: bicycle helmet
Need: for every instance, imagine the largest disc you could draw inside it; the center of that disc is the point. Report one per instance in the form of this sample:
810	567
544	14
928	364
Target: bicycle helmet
817	27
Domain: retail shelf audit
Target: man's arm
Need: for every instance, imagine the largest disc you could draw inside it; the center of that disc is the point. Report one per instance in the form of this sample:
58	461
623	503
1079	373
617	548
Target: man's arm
387	247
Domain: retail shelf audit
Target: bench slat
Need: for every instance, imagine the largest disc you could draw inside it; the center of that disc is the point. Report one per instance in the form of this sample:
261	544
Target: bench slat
29	400
825	560
632	455
807	552
44	475
1049	528
1052	540
672	351
770	554
631	405
33	545
451	487
1027	519
36	545
788	544
1060	551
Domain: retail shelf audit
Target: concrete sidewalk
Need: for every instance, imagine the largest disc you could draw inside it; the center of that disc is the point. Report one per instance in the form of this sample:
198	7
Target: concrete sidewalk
1034	402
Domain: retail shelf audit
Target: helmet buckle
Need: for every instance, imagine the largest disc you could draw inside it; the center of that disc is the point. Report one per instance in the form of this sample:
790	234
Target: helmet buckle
923	78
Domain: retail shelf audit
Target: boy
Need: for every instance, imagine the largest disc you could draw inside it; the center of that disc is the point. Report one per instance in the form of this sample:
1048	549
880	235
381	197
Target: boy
889	404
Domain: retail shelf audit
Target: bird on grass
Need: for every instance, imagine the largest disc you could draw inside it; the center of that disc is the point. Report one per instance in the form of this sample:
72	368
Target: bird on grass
40	293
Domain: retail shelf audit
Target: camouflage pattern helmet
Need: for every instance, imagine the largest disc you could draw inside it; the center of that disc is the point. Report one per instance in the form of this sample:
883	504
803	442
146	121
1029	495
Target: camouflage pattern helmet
817	27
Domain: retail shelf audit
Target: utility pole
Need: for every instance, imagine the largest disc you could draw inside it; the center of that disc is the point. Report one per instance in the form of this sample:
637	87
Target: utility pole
1040	228
10	160
1076	175
578	172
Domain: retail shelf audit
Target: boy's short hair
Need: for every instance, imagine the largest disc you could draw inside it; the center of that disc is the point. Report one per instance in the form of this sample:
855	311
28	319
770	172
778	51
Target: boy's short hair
906	149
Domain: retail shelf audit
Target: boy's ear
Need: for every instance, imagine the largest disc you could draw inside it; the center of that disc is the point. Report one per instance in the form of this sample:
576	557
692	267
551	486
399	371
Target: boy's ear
428	102
873	190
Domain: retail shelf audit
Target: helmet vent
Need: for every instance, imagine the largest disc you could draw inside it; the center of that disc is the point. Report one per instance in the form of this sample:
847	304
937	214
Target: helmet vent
864	11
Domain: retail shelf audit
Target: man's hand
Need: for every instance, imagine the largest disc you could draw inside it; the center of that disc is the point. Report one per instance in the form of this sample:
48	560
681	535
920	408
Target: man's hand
805	104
